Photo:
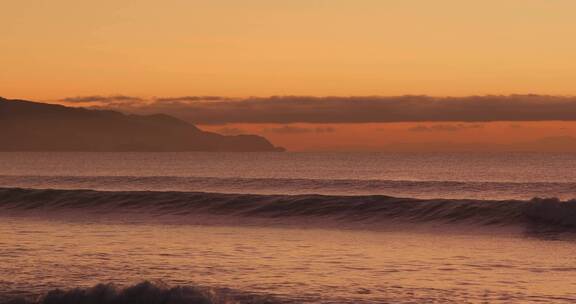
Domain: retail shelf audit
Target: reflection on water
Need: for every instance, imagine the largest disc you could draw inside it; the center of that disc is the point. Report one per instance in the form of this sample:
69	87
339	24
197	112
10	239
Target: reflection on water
418	175
122	237
307	265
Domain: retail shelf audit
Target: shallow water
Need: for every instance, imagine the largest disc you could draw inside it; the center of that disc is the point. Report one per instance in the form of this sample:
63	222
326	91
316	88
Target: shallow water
303	265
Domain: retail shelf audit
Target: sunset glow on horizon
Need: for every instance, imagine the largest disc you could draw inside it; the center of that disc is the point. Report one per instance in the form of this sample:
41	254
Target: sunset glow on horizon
53	51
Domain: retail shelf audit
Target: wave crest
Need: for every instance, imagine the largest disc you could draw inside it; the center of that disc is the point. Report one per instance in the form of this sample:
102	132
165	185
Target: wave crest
367	210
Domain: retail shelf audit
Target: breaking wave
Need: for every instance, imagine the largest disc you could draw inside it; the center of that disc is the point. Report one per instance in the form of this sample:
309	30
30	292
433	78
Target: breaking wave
142	293
367	210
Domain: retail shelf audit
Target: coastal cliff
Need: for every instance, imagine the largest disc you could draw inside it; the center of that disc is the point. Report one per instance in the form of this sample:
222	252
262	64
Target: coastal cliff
33	126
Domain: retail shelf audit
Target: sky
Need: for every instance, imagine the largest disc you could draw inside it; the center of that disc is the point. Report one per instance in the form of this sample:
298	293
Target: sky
150	49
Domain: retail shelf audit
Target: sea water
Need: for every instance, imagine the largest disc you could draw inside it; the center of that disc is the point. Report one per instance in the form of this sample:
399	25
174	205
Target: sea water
291	227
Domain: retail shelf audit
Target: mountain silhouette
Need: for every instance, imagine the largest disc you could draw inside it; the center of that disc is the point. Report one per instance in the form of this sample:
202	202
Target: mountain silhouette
33	126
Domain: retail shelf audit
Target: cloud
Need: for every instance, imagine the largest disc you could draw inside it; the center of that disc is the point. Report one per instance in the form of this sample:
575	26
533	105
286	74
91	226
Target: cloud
191	98
445	128
102	99
298	130
302	109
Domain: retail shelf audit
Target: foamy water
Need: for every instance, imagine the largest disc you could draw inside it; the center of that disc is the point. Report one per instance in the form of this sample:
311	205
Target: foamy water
288	228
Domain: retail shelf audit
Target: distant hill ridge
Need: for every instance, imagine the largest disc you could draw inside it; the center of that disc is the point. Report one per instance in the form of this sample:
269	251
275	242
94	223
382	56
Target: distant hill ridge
33	126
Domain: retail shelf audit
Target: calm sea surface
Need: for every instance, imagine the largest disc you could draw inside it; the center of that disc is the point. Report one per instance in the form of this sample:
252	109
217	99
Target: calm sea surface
459	251
468	176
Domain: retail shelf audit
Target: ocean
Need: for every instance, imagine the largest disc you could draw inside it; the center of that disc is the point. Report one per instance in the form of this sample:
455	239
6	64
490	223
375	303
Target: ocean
287	228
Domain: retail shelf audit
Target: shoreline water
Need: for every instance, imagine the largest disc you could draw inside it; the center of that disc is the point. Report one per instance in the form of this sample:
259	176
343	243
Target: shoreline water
299	265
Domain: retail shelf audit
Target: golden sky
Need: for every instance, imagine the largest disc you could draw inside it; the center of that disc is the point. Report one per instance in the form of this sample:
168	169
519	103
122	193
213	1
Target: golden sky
58	48
53	49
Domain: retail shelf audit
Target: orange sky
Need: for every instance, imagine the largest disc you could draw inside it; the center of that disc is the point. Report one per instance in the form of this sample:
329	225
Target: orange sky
54	49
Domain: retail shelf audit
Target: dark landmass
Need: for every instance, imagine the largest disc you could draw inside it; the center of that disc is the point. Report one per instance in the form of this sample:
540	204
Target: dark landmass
32	126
